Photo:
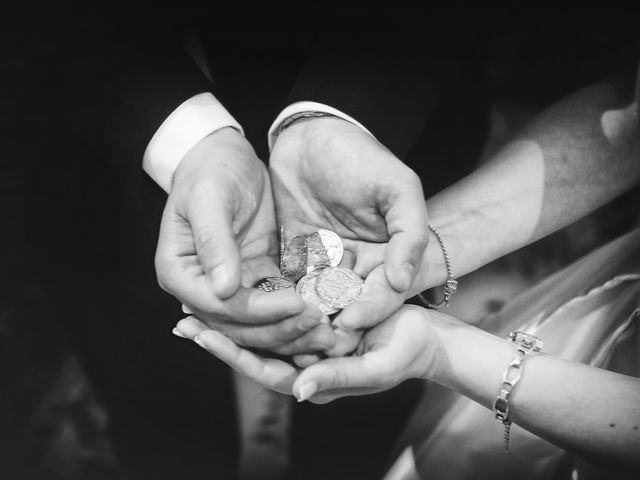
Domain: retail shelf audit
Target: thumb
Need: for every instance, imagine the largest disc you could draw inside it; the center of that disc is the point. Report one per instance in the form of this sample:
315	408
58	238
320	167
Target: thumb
407	225
336	374
216	245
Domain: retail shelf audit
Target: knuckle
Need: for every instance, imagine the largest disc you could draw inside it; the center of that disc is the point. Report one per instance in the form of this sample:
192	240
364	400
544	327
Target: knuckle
339	379
203	239
410	175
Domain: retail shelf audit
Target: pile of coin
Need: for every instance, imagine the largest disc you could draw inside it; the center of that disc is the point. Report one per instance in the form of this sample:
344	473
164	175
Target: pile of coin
310	264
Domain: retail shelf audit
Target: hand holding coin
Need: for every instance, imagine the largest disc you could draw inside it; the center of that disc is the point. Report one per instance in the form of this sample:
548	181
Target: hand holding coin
311	264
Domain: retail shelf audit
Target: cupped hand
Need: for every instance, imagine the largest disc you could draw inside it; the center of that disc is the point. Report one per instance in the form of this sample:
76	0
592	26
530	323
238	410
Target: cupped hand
329	173
402	347
218	237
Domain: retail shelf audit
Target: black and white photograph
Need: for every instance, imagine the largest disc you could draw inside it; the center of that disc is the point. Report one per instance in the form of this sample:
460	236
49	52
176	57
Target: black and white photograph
319	242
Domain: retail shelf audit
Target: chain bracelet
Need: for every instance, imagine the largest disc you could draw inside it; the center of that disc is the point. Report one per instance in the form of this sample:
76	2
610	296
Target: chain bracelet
451	285
525	344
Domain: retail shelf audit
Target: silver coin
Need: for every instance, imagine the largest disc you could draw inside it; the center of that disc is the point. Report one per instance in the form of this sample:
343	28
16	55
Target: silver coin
333	245
272	284
294	260
306	288
338	286
317	256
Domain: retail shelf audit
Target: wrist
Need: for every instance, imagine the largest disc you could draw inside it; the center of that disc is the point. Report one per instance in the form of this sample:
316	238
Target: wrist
300	116
433	268
224	147
472	360
302	129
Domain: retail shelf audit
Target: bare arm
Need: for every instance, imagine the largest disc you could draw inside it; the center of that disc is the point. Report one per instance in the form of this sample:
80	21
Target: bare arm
584	409
574	157
587	410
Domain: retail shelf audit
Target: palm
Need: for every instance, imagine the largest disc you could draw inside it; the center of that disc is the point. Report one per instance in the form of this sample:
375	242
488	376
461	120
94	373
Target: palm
329	173
253	223
393	351
218	237
331	183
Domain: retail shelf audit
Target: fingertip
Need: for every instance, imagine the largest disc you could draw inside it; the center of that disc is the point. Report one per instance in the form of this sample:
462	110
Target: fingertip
402	258
305	360
187	327
400	278
360	314
225	280
186	309
306	391
178	333
346	342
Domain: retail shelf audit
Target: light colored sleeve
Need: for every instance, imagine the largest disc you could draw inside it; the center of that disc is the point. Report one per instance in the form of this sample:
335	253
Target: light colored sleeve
300	107
193	120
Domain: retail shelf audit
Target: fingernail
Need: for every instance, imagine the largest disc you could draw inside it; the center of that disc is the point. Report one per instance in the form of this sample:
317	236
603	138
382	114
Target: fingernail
187	310
307	391
199	341
178	333
320	346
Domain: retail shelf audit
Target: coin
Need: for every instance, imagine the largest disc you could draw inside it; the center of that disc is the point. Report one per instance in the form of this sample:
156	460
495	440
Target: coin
333	245
306	288
272	284
317	256
338	286
294	260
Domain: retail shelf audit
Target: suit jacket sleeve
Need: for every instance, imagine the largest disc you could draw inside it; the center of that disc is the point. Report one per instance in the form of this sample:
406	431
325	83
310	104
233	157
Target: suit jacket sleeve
119	81
383	70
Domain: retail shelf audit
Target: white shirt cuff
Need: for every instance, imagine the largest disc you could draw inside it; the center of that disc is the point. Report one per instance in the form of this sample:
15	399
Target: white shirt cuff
299	107
193	120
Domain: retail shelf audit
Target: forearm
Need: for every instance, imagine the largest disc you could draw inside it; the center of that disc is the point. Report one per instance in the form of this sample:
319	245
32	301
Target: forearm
583	409
573	158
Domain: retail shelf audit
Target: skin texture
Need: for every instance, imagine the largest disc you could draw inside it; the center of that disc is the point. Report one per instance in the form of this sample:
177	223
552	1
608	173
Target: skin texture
209	258
329	173
552	174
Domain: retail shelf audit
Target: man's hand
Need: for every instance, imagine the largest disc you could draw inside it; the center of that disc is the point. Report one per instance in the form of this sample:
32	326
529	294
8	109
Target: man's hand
218	237
329	173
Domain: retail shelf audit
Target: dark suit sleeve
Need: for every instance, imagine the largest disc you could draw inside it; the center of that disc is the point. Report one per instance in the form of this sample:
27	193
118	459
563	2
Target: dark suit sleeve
383	70
118	81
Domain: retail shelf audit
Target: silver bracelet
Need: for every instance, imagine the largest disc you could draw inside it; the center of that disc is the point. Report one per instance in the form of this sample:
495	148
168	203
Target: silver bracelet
451	285
525	344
